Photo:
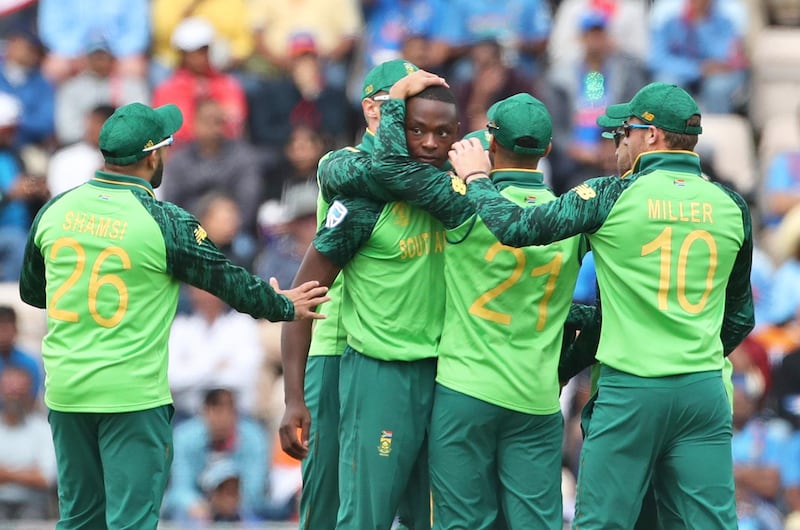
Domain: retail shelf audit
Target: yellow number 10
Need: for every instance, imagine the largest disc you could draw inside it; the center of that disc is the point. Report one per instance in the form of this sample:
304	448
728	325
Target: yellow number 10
664	243
96	281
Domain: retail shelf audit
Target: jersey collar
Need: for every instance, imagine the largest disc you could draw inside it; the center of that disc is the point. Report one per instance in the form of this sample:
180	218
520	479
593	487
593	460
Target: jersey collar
367	142
678	161
502	178
116	180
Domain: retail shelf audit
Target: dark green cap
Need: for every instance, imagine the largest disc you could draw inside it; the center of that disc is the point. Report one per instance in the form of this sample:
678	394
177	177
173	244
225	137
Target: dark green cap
659	104
129	134
483	135
382	77
522	124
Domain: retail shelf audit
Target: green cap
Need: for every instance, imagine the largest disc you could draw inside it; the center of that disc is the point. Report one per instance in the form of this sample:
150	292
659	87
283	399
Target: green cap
483	135
129	134
382	77
522	124
659	104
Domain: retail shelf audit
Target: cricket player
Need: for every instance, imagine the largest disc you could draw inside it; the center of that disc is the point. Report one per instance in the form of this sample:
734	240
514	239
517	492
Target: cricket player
673	254
106	260
311	360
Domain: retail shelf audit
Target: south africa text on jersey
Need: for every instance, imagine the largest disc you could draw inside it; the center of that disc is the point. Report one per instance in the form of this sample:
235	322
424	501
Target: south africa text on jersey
422	244
98	226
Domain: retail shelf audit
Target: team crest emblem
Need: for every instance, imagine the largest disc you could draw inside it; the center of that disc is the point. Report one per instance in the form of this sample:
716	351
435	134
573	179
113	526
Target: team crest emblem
149	144
649	116
585	192
336	214
530	199
458	185
200	234
679	182
401	214
385	443
410	68
368	89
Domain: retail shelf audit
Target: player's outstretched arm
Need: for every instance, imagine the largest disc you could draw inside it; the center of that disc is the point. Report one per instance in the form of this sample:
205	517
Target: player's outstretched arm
295	342
305	298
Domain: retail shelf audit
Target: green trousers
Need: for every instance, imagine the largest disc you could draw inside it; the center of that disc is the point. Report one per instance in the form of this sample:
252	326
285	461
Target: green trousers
112	468
385	409
319	501
672	431
482	454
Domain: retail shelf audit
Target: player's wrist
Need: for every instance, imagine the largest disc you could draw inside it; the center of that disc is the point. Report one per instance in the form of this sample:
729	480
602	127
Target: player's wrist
474	175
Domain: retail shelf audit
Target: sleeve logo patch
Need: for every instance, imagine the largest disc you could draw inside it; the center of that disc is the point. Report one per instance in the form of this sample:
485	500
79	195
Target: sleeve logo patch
458	185
200	234
585	192
336	214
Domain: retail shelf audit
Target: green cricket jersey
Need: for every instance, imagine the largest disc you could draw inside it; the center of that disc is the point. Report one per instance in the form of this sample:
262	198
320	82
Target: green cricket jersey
105	259
393	293
506	308
673	255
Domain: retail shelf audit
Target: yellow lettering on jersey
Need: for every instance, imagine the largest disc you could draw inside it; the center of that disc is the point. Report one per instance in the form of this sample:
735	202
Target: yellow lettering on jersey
67	224
103	224
88	228
683	211
84	223
420	245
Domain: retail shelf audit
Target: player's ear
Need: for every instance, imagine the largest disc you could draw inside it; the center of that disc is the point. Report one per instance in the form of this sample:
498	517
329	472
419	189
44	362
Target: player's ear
547	151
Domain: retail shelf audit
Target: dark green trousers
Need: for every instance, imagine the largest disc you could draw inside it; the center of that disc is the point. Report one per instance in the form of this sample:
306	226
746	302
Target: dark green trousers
385	410
672	431
482	454
112	468
319	501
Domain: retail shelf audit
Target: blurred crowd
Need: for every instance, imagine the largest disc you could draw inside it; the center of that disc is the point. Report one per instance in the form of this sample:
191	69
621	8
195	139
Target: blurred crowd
266	88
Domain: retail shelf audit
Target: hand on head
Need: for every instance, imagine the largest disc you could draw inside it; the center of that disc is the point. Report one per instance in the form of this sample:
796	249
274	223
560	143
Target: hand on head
414	83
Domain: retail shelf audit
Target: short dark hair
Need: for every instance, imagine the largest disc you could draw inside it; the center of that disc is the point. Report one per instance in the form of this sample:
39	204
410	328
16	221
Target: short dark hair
684	142
7	314
103	111
437	93
214	396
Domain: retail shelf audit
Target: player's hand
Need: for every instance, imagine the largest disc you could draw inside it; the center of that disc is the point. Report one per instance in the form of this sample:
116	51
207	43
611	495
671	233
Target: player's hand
305	298
468	156
295	420
414	83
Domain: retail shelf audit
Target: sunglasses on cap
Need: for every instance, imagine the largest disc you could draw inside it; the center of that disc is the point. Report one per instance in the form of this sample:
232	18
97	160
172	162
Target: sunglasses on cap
624	130
163	143
492	127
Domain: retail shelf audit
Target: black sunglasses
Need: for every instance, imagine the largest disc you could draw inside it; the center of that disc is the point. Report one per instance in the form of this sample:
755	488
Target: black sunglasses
625	130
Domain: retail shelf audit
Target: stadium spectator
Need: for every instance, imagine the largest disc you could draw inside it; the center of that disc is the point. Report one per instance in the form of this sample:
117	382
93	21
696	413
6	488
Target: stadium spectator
12	356
196	79
27	457
334	25
67	27
304	147
781	186
21	76
759	445
577	92
220	215
220	483
75	164
520	26
98	83
213	161
492	80
219	432
213	346
304	97
700	47
625	27
282	257
232	45
18	189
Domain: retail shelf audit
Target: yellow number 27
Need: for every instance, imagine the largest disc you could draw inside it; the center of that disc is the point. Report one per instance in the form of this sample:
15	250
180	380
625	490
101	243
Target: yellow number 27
96	281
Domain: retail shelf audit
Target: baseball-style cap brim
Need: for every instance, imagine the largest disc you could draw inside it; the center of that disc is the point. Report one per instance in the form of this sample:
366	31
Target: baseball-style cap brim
615	115
662	105
483	135
134	130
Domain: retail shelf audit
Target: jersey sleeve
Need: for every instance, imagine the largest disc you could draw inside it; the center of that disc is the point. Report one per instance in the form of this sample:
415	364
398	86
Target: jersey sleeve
348	173
579	353
192	258
739	317
439	193
347	227
583	209
32	280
